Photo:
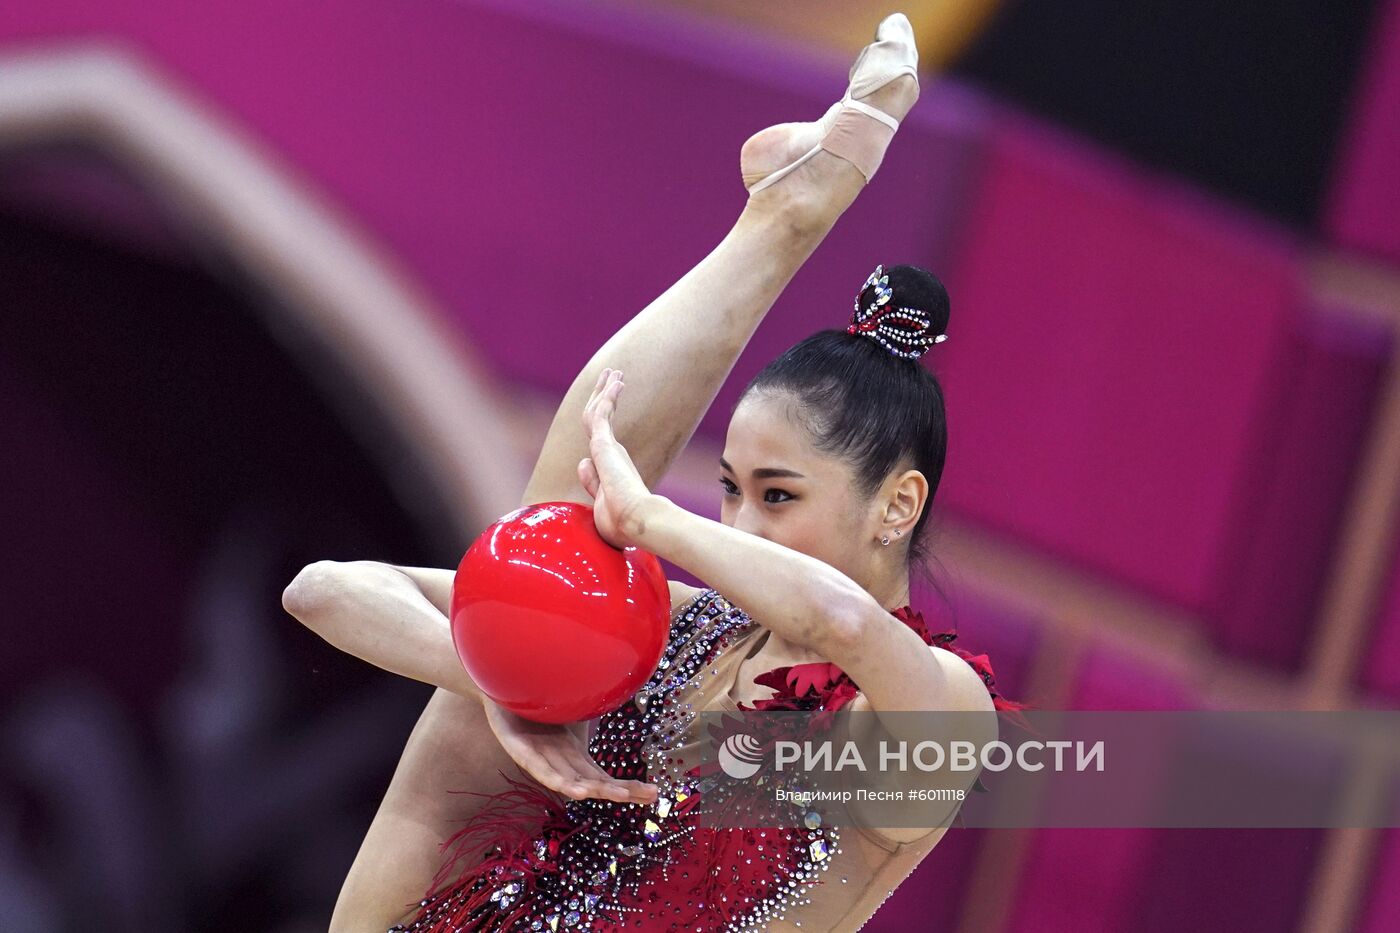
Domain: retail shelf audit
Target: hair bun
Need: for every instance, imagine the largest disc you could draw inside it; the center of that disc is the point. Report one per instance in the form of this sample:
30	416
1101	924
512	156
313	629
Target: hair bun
904	309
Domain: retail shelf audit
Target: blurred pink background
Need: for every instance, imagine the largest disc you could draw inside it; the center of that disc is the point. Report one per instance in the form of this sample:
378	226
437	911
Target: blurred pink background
285	282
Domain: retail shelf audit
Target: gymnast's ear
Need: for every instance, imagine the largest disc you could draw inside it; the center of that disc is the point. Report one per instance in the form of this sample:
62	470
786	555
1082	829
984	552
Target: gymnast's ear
904	497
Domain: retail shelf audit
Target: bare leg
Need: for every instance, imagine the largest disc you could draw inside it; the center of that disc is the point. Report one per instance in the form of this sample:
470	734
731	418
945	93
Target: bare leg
451	749
676	354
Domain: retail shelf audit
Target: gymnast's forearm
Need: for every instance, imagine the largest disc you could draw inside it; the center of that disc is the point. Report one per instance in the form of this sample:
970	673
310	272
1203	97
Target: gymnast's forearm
799	597
678	351
379	614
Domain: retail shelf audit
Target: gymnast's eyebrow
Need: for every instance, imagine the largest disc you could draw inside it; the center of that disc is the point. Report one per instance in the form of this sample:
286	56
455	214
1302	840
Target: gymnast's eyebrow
765	472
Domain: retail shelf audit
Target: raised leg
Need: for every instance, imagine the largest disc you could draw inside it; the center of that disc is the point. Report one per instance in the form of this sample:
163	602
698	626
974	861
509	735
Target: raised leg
677	352
452	748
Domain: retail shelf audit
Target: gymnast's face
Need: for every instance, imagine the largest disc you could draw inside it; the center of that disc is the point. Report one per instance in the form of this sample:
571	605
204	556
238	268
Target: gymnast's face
777	485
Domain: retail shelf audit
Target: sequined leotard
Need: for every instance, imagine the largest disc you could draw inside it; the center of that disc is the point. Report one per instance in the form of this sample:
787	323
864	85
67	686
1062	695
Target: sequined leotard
553	864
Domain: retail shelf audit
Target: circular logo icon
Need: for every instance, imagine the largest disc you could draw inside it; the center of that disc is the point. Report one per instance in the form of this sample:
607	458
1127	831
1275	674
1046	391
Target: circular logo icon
740	756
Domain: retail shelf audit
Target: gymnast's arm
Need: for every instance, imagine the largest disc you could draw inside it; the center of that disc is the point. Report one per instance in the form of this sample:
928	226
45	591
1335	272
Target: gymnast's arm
393	617
396	618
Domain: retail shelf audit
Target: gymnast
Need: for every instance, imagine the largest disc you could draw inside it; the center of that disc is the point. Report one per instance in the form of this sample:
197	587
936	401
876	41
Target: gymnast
830	463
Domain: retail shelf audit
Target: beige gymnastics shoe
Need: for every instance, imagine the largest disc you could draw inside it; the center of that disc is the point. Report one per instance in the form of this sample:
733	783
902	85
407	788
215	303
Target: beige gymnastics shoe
854	131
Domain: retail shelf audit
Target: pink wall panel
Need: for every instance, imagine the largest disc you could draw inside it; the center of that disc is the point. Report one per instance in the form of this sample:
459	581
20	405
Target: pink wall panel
1137	880
1380	666
1364	204
933	896
1081	879
1382	904
1226	879
1110	353
1290	508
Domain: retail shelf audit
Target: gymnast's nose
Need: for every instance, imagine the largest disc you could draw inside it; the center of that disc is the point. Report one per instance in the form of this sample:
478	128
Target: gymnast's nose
750	520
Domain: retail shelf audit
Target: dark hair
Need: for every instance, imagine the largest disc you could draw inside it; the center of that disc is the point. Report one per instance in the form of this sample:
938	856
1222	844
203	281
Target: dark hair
861	402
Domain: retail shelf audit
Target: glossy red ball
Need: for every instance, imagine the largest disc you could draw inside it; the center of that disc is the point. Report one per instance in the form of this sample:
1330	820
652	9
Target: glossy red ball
551	621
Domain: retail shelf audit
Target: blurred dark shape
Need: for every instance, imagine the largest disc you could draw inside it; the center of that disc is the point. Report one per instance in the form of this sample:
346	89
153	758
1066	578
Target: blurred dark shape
1248	97
175	751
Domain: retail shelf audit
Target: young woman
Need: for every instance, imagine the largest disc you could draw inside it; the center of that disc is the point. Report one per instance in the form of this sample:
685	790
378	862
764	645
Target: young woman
831	460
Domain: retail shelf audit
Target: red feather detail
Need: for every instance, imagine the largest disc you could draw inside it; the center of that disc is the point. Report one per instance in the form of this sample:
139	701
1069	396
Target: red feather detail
509	821
822	685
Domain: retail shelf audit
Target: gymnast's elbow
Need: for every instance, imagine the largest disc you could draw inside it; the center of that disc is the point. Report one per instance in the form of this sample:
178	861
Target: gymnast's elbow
315	587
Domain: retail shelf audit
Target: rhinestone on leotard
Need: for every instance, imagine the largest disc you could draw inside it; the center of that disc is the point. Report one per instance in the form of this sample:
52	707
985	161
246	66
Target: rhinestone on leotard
615	863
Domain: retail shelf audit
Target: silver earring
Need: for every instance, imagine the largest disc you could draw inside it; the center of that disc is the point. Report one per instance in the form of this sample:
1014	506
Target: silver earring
897	532
884	539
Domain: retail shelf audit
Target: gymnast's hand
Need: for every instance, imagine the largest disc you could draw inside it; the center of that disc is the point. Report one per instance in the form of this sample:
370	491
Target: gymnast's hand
555	756
609	475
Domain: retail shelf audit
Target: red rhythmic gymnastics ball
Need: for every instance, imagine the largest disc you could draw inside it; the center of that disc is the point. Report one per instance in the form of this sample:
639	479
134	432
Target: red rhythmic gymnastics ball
551	621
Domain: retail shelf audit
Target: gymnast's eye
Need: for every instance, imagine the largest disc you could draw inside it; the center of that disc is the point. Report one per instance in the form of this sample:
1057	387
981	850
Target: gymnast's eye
767	496
729	488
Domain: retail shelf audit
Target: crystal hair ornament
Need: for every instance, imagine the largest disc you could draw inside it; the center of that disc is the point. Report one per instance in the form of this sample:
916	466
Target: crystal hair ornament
902	331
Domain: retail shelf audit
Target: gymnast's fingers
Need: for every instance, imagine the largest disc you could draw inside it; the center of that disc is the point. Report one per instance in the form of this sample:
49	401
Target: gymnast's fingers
642	792
617	789
588	476
610	396
575	784
598	388
540	768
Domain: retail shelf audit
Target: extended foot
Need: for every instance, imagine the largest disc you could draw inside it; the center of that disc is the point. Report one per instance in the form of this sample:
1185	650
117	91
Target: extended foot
816	169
